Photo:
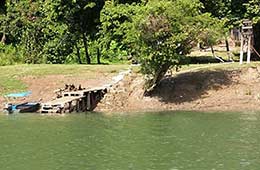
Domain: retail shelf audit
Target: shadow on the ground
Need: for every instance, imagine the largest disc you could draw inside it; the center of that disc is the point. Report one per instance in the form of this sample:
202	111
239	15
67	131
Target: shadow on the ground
187	87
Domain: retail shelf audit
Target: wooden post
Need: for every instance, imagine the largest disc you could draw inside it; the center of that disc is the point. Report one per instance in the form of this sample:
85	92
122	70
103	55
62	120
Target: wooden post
91	100
247	31
88	101
241	49
249	50
84	101
77	105
70	107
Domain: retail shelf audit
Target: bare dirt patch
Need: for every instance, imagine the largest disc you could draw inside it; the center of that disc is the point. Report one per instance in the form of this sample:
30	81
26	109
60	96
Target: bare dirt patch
43	87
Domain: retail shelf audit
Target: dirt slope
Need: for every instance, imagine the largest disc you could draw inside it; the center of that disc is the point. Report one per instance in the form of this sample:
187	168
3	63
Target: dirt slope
210	90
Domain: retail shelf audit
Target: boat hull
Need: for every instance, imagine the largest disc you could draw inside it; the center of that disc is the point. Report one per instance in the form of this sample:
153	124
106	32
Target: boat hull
23	108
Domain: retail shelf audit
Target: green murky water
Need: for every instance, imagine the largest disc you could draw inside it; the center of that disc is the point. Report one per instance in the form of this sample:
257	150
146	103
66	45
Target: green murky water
164	141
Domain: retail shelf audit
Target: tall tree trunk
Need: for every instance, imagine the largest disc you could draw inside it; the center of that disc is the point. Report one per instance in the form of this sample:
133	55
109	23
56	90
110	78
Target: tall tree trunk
228	50
98	56
227	44
86	48
78	54
214	55
152	83
212	51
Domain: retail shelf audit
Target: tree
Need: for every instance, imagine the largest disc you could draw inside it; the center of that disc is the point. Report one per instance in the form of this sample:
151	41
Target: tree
23	29
82	19
213	31
221	9
253	13
117	23
233	10
165	36
2	15
218	8
60	41
48	30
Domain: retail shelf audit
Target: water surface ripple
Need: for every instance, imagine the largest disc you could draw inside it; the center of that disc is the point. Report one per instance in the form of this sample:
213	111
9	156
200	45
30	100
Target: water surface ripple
161	141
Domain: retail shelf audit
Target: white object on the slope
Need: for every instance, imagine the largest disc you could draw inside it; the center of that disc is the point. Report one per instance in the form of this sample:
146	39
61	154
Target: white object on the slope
120	76
117	79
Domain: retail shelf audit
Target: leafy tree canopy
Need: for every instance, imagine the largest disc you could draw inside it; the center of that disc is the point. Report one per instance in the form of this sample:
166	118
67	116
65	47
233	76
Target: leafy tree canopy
166	32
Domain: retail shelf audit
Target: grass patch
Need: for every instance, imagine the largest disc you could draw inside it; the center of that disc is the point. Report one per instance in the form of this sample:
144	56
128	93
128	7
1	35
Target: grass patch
11	85
216	66
10	75
44	69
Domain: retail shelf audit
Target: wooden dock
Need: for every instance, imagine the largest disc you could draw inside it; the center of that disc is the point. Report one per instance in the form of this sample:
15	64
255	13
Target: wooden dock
75	101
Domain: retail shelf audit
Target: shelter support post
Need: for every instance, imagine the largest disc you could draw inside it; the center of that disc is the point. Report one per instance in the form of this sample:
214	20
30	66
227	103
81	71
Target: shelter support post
241	50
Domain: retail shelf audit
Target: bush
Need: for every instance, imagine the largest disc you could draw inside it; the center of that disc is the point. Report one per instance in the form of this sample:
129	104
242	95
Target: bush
8	55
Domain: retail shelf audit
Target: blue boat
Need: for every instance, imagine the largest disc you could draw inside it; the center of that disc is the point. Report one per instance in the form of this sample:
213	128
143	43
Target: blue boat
22	108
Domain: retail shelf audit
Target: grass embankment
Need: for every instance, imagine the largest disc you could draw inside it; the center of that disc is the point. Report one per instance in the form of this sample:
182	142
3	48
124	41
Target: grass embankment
216	66
10	76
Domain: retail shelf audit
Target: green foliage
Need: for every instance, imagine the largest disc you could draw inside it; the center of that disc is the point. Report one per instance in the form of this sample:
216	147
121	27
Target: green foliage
218	8
23	28
253	10
58	44
117	24
47	31
8	55
165	36
213	30
32	43
81	17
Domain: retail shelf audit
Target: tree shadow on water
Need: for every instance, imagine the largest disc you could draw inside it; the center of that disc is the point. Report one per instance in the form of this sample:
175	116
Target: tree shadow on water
187	87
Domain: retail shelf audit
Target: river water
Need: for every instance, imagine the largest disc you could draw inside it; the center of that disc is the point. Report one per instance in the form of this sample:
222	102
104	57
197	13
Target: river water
161	141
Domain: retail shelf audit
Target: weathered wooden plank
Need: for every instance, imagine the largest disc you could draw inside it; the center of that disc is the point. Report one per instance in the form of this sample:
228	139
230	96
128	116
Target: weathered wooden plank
62	100
81	100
